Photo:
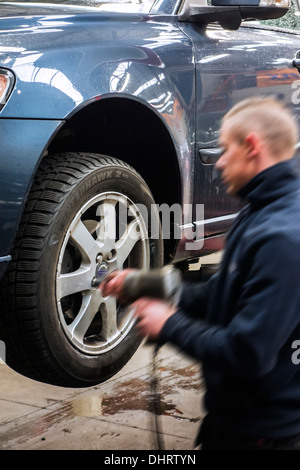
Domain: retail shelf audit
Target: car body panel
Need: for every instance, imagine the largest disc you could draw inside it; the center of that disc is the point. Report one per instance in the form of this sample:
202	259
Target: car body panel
66	60
20	154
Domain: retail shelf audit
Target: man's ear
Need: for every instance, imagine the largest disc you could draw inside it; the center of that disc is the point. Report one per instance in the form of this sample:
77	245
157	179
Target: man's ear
253	144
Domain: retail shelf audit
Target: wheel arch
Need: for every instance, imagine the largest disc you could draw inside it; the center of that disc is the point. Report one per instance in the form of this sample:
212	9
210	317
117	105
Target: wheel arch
131	131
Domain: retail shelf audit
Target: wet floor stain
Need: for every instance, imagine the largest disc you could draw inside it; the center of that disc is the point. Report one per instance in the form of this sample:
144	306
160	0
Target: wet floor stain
134	395
88	406
186	378
140	394
131	395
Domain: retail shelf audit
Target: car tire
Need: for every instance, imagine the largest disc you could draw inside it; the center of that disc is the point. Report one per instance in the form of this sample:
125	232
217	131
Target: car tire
85	214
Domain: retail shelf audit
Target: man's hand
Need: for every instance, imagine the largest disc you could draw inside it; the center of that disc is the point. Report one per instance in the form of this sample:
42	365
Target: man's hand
113	284
151	315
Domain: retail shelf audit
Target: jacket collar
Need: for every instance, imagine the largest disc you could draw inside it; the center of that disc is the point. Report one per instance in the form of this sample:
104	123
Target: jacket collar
272	183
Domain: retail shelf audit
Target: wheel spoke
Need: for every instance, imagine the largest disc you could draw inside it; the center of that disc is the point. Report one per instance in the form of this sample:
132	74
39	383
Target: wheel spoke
84	318
127	242
84	240
107	230
71	283
109	319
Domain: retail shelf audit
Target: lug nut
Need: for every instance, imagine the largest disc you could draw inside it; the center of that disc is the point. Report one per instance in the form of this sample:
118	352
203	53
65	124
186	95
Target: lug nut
95	282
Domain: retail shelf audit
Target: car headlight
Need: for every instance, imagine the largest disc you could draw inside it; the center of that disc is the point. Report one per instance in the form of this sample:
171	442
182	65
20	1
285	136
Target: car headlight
7	81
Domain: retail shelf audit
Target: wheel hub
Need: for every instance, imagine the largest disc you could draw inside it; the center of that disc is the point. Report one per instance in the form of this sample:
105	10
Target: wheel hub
102	269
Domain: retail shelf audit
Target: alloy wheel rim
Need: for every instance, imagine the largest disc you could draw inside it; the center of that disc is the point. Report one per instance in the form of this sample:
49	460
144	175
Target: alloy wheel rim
108	230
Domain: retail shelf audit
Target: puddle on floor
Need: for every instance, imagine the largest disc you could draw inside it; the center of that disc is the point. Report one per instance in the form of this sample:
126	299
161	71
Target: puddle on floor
88	406
133	395
138	395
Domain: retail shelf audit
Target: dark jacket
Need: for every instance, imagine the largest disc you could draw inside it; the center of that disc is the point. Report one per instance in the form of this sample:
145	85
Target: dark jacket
242	324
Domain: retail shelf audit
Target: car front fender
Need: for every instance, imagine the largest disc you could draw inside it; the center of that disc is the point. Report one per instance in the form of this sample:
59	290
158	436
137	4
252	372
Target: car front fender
19	155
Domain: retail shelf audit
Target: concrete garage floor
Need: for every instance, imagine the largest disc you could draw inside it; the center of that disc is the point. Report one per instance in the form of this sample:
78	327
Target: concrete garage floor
115	415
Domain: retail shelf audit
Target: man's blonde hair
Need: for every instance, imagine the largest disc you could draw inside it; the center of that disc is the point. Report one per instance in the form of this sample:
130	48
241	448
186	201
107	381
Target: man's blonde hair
268	117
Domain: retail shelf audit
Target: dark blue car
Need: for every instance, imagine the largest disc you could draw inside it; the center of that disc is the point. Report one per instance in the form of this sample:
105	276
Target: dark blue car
109	124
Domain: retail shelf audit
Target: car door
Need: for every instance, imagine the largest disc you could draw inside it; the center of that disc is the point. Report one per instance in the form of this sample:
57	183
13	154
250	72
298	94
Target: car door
231	66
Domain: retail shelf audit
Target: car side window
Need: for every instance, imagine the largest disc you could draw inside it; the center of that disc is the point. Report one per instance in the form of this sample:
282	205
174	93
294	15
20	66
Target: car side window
291	20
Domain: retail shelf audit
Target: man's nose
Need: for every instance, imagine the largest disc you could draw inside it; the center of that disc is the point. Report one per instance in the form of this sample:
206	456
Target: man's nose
219	164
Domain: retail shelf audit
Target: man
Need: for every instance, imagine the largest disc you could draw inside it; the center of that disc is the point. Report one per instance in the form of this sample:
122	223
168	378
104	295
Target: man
243	322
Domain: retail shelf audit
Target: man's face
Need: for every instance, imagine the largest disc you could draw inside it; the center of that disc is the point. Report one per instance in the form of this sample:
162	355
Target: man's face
233	162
